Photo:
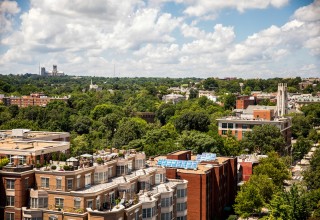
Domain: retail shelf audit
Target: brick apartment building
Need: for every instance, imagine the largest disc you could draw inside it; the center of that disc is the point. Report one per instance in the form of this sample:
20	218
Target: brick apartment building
211	184
88	189
35	99
254	115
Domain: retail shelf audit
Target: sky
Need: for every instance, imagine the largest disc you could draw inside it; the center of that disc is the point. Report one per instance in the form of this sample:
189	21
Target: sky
162	38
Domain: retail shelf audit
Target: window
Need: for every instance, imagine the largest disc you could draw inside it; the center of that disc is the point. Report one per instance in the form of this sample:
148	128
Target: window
166	216
182	218
148	213
144	185
129	166
159	178
78	182
224	132
89	204
139	164
10	184
230	125
58	183
100	177
244	126
98	203
53	218
122	170
181	206
88	180
44	182
10	200
9	216
136	215
69	184
165	202
26	183
224	125
110	171
41	202
77	203
181	193
22	159
112	198
59	202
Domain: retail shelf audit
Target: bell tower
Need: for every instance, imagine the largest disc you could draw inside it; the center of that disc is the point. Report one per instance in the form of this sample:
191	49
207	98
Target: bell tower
282	100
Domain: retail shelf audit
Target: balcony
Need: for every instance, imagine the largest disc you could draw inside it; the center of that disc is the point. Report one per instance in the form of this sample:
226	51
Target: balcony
17	168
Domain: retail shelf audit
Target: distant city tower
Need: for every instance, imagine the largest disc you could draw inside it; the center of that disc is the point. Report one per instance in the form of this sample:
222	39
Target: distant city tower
282	100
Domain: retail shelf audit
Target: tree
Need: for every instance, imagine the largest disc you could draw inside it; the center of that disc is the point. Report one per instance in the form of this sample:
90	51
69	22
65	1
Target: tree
198	142
82	125
298	203
265	186
129	129
264	139
248	201
229	102
191	120
313	111
165	112
300	126
104	109
274	168
301	147
210	84
279	207
231	145
312	174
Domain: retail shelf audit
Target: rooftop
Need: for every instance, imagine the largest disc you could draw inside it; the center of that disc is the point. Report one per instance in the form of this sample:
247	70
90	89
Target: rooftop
25	147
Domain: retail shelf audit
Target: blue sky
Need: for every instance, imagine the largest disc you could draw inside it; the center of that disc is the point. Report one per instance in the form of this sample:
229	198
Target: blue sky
164	38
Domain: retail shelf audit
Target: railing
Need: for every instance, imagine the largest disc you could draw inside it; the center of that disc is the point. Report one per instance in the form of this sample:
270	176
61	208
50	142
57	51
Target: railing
66	209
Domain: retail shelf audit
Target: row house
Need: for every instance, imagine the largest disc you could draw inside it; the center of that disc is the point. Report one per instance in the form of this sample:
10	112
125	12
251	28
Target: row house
112	190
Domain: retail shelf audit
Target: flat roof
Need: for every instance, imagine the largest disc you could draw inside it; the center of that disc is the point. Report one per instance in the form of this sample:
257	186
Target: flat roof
35	147
34	134
179	152
202	167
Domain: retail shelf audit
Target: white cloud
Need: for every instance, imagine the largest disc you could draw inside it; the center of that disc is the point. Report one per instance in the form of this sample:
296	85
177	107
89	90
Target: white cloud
205	7
7	10
140	39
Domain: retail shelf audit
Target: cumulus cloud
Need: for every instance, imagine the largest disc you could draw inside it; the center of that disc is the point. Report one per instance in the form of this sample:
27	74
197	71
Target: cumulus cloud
302	32
140	39
7	10
204	7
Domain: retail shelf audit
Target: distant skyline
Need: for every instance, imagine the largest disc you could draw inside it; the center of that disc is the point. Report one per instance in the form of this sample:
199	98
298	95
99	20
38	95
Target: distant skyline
162	38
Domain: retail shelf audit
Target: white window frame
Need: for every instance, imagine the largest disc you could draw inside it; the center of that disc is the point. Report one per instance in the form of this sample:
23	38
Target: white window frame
58	183
57	202
87	180
68	187
10	183
10	216
45	182
10	201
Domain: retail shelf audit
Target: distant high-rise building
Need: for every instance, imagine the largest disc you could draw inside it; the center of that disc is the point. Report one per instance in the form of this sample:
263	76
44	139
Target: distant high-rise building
43	71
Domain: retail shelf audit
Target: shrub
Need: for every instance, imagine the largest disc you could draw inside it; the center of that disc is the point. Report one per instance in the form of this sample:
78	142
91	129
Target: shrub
99	160
66	167
53	167
3	162
38	165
